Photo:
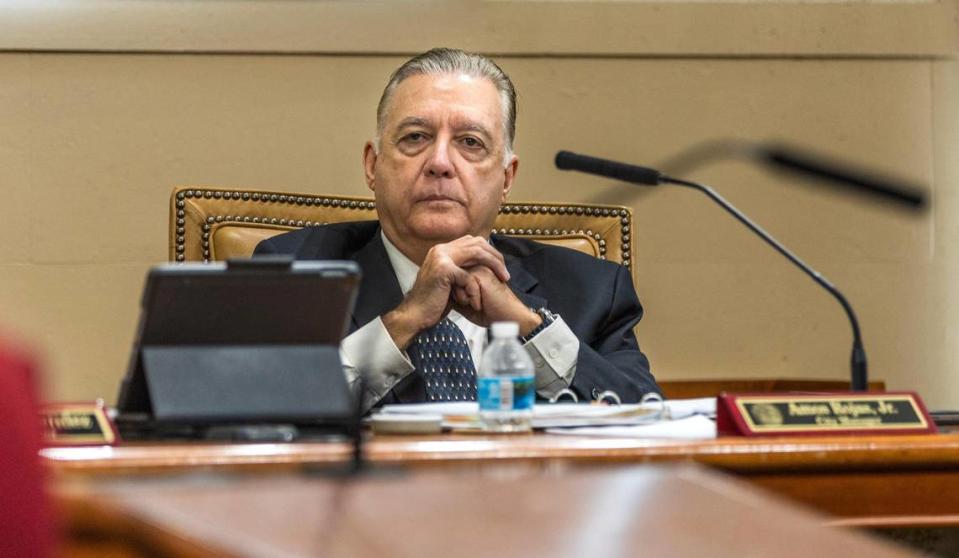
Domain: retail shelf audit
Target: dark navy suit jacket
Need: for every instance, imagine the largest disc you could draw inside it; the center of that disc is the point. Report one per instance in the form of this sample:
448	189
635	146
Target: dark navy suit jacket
595	298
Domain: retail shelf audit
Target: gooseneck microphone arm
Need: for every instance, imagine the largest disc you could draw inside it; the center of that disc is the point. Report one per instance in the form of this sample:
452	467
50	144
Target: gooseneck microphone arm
650	177
858	361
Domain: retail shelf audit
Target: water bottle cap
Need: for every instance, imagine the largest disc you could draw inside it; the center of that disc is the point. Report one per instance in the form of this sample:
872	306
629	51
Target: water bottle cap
503	330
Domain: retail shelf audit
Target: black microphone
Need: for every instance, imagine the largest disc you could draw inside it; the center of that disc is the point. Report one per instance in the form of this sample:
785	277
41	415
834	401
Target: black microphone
842	174
790	159
567	160
646	176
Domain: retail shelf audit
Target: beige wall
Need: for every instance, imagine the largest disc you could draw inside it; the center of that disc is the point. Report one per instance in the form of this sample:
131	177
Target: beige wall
104	106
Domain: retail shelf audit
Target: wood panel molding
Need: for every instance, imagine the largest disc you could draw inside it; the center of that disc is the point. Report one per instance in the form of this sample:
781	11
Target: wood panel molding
920	28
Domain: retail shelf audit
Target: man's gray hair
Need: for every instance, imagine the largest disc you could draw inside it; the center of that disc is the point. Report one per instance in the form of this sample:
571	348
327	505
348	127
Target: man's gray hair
440	61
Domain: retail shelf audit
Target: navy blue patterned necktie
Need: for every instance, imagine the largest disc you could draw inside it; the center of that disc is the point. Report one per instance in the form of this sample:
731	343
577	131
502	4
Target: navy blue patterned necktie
442	356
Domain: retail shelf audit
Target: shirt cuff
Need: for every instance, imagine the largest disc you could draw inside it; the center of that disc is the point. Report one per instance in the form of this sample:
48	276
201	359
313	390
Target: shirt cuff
554	351
371	352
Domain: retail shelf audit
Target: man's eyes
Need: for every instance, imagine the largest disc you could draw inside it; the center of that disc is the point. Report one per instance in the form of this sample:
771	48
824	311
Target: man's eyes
472	143
414	137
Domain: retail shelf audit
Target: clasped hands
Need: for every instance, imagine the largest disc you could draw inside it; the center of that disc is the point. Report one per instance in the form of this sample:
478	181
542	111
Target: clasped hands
467	275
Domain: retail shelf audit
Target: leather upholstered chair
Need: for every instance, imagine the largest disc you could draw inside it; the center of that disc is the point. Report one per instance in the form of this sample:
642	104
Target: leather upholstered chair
211	224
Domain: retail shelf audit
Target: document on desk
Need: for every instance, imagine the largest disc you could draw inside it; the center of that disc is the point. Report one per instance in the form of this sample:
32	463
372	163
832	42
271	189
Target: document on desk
682	408
694	427
464	415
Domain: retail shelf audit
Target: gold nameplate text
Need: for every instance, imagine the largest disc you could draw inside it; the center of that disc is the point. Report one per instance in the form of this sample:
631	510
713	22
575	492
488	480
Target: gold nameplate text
77	424
755	414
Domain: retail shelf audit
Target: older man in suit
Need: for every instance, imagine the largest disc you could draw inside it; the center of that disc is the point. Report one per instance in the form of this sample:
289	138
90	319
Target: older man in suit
440	166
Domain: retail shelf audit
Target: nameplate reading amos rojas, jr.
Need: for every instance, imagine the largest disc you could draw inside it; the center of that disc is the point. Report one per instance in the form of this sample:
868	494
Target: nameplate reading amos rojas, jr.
77	424
828	413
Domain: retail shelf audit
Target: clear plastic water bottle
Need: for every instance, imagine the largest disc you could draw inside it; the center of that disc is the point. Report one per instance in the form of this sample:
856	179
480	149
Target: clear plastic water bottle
506	382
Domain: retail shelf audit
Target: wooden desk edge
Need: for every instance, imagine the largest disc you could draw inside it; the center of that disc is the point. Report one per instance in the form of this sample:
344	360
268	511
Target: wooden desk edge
737	455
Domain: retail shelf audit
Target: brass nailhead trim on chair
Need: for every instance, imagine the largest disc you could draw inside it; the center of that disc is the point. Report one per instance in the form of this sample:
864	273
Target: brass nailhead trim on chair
327	201
575	210
255	196
230	219
558	232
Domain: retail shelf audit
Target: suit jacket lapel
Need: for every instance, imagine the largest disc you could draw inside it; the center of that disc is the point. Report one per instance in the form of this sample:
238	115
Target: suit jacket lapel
522	282
379	290
379	293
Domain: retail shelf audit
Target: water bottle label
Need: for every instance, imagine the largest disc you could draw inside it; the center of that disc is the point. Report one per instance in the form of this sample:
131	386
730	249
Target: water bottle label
506	394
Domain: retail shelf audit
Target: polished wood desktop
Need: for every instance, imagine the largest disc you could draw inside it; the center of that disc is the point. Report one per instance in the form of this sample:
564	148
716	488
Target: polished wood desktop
871	481
628	510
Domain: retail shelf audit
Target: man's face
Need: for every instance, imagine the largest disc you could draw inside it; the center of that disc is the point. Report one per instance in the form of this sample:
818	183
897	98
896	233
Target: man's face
440	171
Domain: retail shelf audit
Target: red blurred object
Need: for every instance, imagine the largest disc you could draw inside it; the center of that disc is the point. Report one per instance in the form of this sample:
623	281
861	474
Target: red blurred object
26	529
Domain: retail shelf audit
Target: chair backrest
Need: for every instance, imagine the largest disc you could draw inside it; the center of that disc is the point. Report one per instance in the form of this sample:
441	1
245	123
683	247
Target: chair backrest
211	224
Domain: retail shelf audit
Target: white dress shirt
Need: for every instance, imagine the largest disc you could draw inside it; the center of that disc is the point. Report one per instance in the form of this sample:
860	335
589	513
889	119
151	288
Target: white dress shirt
370	350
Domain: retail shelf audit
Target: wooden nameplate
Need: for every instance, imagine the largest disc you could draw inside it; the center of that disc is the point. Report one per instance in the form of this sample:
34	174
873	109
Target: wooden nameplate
77	424
805	414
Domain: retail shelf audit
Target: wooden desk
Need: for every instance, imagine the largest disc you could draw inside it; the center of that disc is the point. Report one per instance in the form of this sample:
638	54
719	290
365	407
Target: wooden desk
869	481
683	511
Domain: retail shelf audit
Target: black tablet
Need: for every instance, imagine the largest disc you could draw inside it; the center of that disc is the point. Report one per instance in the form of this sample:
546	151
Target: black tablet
244	342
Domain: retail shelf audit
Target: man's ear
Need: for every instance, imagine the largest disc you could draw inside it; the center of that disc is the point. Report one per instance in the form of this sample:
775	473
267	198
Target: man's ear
369	165
509	175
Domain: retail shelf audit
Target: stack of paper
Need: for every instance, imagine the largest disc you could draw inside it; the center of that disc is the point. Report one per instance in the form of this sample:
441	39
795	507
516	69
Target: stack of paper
681	419
695	427
465	415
